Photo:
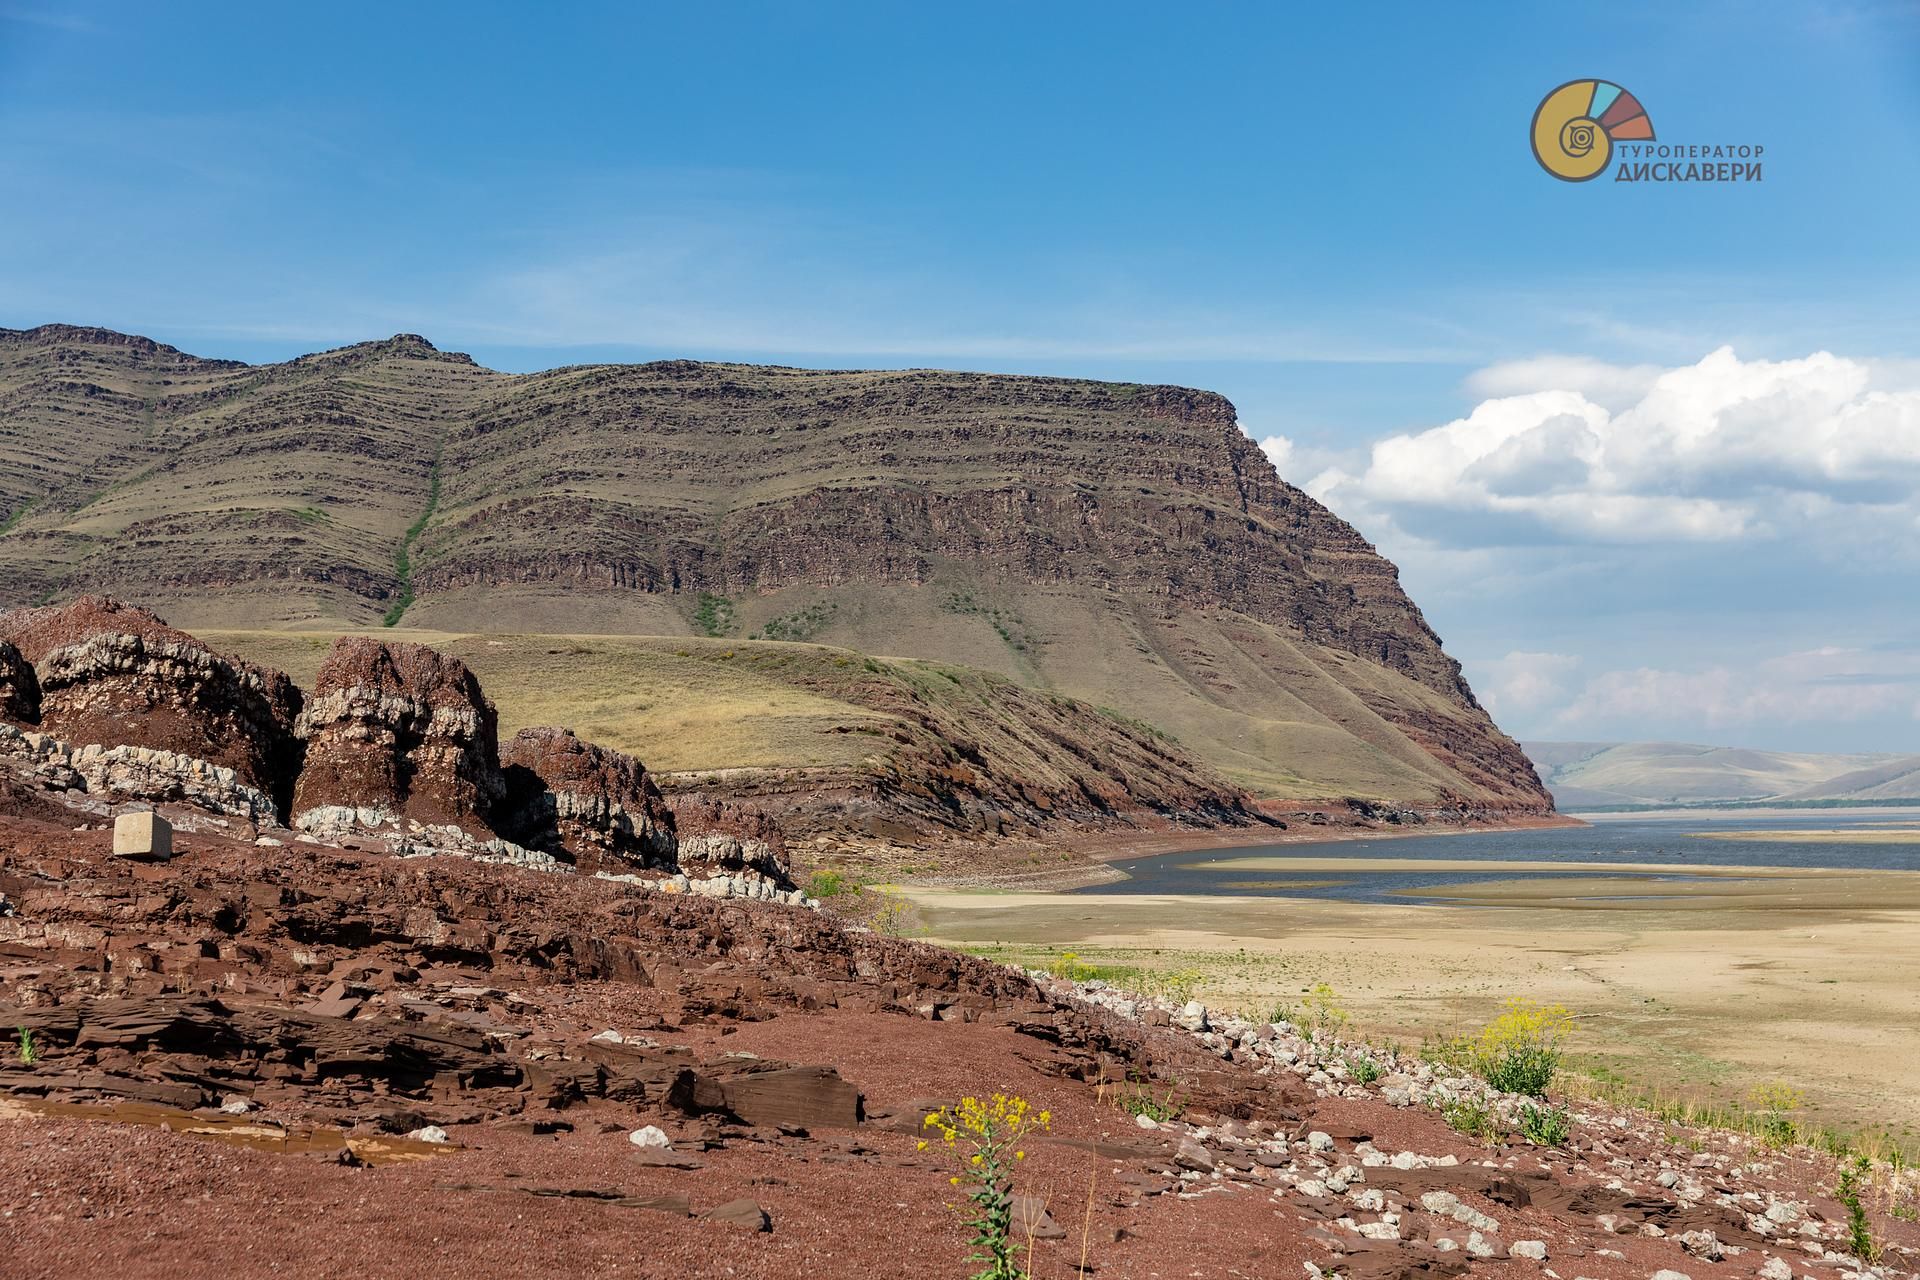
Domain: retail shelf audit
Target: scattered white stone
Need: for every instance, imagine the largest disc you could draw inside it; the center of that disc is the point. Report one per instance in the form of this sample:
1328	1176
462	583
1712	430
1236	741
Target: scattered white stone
1535	1249
1146	1122
429	1133
1671	1275
1776	1269
1320	1141
1702	1244
1192	1016
1448	1205
1478	1245
650	1136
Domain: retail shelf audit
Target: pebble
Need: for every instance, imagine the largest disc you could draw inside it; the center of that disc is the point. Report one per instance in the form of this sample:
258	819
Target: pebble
1146	1122
429	1133
1320	1141
650	1136
1535	1249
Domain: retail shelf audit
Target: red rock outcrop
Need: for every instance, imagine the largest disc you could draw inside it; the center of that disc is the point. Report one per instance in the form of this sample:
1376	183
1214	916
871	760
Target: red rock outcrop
722	840
19	687
401	730
117	676
583	803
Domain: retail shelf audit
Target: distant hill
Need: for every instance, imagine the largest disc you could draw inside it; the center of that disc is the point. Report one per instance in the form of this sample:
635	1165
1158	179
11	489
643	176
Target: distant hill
1599	775
1125	545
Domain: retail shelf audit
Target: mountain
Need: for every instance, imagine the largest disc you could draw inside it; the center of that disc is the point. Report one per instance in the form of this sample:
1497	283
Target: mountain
1595	775
1125	545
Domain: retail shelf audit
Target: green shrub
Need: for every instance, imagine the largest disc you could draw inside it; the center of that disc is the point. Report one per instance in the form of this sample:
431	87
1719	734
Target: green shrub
1859	1232
1519	1051
1139	1098
1178	985
1546	1126
1471	1118
713	614
828	882
893	916
1363	1069
27	1054
1773	1105
1070	967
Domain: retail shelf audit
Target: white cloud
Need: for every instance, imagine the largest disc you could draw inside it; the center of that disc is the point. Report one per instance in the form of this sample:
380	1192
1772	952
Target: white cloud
1725	450
1612	385
1303	465
1819	685
1523	682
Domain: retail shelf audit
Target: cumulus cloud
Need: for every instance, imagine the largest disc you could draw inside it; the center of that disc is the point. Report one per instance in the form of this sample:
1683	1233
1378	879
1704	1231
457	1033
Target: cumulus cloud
1725	450
1828	684
1613	385
1303	465
1523	682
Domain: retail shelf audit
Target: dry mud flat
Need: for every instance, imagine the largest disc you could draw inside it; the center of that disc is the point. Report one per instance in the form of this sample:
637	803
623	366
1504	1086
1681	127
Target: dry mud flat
1697	988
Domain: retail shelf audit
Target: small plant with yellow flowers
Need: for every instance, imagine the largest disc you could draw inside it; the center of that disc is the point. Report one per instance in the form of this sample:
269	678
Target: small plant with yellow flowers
1775	1105
986	1136
1519	1051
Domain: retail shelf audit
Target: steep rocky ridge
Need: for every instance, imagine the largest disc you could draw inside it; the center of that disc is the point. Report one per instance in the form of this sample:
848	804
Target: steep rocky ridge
1127	545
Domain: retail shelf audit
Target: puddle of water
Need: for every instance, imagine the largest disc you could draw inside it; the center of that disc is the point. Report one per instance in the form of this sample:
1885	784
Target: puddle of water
254	1135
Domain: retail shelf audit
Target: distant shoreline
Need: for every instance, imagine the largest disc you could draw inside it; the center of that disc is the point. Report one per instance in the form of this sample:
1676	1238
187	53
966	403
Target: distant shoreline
1809	811
1108	847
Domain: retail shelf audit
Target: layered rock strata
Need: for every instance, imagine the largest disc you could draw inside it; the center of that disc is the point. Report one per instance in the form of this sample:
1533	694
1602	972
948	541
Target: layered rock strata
108	674
590	806
401	731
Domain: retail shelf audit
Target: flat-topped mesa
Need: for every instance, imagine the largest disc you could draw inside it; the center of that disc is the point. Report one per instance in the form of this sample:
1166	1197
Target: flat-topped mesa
116	676
19	687
584	804
398	731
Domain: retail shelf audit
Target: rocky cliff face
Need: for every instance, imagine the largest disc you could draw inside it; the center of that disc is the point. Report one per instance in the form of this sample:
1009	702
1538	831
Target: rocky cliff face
403	730
19	687
108	673
1127	545
593	807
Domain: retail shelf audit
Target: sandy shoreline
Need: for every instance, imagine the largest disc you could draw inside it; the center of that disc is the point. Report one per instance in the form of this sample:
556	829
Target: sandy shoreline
1703	989
1110	847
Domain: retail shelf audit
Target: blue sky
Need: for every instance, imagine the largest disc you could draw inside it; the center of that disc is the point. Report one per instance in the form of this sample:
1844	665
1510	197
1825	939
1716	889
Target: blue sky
1330	214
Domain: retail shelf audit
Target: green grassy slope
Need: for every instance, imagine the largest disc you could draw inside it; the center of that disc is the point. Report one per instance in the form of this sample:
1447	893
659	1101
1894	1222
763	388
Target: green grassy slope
834	734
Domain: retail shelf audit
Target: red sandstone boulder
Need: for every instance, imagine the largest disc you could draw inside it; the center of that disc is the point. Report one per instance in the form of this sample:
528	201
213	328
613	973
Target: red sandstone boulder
115	675
19	687
583	803
401	729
